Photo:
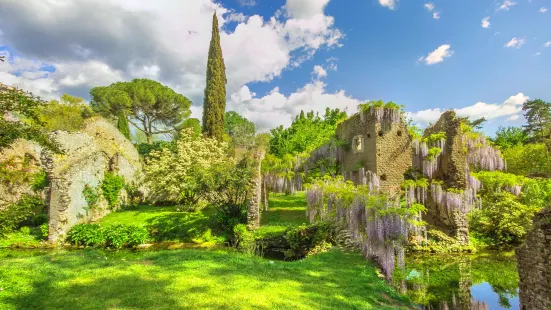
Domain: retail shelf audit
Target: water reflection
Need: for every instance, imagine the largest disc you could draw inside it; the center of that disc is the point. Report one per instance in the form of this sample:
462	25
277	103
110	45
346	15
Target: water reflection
461	282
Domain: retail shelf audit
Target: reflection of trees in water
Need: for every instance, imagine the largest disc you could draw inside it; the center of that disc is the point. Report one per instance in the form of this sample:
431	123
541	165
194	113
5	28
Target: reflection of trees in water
444	281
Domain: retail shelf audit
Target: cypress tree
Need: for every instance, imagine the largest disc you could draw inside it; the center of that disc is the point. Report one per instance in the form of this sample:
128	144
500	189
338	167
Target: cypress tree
214	104
122	124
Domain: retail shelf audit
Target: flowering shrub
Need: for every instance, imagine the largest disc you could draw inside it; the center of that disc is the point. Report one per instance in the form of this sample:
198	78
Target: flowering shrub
184	174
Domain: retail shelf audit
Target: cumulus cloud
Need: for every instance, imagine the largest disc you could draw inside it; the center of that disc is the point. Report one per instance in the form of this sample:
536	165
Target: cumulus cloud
547	44
436	15
542	10
505	6
167	41
511	108
305	9
282	109
319	71
486	22
515	42
438	55
247	2
536	54
429	7
391	4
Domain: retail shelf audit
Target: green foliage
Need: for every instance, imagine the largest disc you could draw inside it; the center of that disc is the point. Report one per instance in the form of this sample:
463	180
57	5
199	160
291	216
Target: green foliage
29	210
44	230
23	119
145	149
67	114
503	219
528	160
538	120
151	107
306	133
240	129
436	137
214	104
92	196
40	181
379	104
122	124
434	152
114	236
111	187
194	125
305	238
188	172
536	192
507	137
494	181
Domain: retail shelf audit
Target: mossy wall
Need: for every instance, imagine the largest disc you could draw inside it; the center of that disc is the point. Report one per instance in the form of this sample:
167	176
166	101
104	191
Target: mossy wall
386	149
534	265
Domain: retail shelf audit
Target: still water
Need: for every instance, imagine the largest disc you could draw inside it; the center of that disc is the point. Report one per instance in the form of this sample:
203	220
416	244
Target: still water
486	280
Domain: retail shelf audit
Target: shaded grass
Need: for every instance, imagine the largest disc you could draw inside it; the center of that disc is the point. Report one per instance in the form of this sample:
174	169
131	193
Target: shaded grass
189	279
168	224
23	239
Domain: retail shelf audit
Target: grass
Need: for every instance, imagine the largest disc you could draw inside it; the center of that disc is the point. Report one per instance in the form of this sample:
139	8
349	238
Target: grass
189	279
22	238
284	211
168	224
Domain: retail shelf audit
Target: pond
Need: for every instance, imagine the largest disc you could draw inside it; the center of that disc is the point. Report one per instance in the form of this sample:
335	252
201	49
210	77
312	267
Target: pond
487	280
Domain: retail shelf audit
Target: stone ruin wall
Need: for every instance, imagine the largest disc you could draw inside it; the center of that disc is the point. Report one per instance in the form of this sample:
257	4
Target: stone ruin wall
385	151
88	154
452	171
18	152
534	265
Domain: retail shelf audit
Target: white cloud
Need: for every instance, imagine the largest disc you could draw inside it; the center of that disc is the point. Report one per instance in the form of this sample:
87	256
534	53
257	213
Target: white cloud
542	10
282	109
391	4
136	38
506	5
429	6
247	2
515	42
486	22
438	55
436	15
305	8
536	54
510	108
319	71
547	44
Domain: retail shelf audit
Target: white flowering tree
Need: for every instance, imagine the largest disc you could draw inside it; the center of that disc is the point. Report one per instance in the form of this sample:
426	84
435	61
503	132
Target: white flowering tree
183	175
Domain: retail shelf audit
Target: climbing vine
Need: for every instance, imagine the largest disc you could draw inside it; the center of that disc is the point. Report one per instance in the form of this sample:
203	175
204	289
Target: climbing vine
111	187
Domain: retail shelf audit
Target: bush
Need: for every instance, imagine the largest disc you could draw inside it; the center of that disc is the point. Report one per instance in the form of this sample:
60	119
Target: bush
29	210
504	220
307	239
116	236
91	196
111	187
228	216
86	234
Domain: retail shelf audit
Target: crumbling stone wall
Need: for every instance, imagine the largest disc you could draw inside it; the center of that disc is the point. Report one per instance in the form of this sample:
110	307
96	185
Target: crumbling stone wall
88	154
453	160
23	156
385	149
534	265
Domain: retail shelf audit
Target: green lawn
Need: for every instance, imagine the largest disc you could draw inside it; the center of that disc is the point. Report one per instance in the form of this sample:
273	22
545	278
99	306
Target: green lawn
284	211
188	279
168	224
215	278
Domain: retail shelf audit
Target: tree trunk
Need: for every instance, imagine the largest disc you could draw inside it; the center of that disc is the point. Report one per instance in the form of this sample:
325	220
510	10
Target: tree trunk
253	210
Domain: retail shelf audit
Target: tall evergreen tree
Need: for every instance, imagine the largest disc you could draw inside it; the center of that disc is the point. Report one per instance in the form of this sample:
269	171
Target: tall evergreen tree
214	104
538	120
122	124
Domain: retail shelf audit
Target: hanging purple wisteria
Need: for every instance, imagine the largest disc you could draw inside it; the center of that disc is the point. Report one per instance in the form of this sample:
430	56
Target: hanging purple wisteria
481	155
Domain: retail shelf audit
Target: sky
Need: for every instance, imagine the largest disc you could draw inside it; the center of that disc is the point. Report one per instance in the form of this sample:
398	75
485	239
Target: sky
483	58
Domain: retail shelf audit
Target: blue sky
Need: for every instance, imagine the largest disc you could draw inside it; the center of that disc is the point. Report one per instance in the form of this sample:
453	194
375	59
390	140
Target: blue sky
363	49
